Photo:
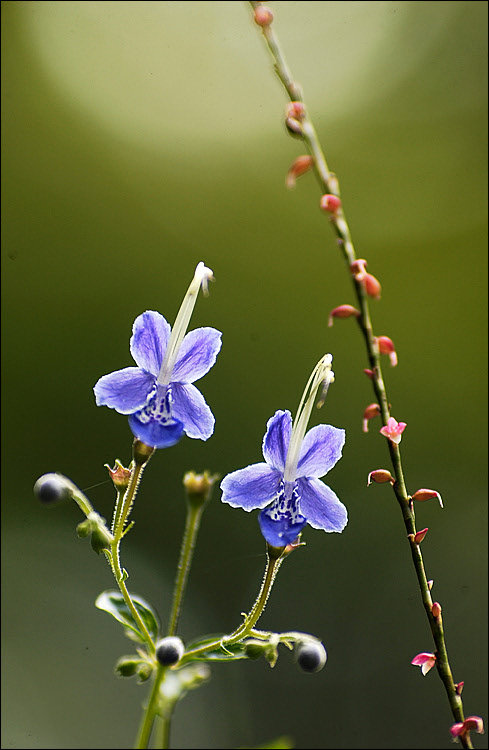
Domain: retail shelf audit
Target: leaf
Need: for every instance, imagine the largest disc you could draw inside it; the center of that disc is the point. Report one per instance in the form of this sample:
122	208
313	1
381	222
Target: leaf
113	603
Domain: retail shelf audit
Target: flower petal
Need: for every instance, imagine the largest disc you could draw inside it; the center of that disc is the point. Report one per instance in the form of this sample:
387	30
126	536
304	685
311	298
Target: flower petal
250	488
319	504
281	531
190	408
277	439
150	335
155	433
197	354
124	390
321	449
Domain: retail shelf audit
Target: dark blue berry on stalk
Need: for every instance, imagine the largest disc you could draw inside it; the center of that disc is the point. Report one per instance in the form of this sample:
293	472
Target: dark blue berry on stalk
311	656
51	488
169	651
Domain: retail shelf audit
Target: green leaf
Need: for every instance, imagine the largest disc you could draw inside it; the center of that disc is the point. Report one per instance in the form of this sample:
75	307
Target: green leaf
113	603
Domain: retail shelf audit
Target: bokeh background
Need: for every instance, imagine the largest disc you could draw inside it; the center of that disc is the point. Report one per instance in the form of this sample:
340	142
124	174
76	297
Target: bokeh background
138	139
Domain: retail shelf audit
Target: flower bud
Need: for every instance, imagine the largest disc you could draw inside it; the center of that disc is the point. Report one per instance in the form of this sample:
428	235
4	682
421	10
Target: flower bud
420	535
343	311
311	656
459	686
263	16
386	346
294	114
425	494
199	486
141	452
330	203
169	651
372	286
52	488
299	166
436	609
372	410
380	476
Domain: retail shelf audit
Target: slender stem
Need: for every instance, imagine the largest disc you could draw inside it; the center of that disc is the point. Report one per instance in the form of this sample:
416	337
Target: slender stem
192	524
242	631
328	183
150	712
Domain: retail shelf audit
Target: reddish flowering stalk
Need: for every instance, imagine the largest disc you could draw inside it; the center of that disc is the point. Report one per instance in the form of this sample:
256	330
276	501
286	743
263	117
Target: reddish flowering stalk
366	286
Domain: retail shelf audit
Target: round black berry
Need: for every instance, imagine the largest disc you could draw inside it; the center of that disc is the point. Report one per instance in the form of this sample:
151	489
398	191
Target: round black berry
169	651
51	488
311	657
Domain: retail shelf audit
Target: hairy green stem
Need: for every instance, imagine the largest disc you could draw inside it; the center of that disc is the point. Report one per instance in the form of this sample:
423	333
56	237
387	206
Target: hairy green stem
328	183
192	524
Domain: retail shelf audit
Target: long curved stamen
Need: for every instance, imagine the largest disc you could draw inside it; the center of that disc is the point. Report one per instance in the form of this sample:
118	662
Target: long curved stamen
321	376
201	278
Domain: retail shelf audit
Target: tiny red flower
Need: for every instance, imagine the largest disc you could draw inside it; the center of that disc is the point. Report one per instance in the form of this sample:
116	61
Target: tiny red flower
343	311
299	166
425	494
393	430
436	609
425	661
263	16
464	727
420	535
372	410
380	476
386	346
330	203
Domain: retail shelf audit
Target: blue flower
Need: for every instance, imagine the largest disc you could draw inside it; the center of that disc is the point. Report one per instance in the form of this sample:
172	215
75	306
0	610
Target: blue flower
287	487
158	394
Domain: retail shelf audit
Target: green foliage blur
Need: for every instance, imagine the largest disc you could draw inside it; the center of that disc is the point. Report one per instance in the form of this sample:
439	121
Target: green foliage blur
139	138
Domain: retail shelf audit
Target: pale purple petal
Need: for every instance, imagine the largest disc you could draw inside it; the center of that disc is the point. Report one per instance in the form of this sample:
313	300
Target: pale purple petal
124	390
321	449
276	440
150	335
189	407
197	354
319	504
251	488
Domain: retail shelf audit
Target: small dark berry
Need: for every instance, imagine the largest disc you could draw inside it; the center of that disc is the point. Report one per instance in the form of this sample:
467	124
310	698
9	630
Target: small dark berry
311	657
51	488
169	651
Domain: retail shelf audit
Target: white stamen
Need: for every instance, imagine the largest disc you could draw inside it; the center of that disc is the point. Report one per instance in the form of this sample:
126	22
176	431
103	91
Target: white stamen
322	375
202	276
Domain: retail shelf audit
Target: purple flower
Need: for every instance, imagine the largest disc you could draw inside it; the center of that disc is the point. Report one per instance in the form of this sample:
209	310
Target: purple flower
287	486
158	394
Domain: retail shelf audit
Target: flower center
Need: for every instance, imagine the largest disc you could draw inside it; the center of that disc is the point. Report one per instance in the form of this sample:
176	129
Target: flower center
157	406
282	522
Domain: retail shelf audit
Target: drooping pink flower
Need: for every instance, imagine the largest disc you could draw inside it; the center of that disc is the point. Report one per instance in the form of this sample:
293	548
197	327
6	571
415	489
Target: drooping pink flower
424	660
464	727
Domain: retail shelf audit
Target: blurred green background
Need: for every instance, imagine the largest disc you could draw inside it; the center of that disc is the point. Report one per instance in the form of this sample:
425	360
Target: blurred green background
138	139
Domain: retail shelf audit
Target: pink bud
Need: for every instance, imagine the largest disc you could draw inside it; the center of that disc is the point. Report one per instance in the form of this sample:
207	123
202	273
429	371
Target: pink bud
372	410
298	167
263	16
359	269
436	609
420	535
380	476
459	686
393	430
430	584
369	373
295	110
330	203
424	494
343	311
372	286
425	661
386	346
